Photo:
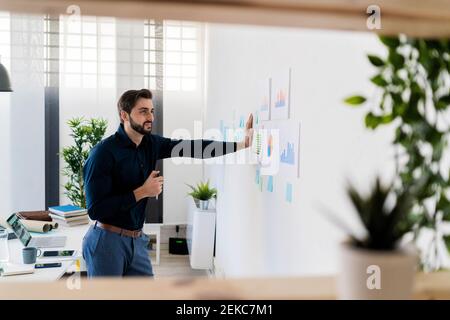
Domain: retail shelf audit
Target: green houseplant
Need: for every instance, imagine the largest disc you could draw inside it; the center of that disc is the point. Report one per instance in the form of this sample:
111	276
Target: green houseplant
413	95
385	225
86	134
202	193
384	214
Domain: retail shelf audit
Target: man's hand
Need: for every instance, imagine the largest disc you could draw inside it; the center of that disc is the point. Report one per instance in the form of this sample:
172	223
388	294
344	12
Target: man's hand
151	187
248	134
249	131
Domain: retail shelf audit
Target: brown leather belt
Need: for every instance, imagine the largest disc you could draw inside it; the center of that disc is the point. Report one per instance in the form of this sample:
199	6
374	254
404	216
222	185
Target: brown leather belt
123	232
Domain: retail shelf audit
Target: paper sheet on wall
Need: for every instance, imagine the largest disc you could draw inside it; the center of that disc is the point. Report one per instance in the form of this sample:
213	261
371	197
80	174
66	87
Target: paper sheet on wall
289	149
276	147
280	95
263	102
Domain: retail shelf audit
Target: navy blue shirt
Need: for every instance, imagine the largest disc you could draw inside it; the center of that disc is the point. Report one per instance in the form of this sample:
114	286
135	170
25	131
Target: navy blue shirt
116	166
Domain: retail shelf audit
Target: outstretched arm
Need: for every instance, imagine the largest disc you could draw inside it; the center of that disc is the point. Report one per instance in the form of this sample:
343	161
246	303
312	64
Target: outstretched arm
203	149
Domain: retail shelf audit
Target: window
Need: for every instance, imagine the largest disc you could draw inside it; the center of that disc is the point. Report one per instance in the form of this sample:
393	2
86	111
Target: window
153	55
182	55
51	51
87	52
5	39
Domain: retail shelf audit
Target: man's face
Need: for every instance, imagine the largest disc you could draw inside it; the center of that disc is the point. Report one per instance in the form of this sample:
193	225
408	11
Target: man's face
142	116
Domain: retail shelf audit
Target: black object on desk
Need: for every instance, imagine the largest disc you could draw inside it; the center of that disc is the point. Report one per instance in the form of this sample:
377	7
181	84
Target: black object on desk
48	265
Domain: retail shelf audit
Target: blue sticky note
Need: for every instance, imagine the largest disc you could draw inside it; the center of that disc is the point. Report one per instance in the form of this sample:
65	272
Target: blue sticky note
222	126
257	176
225	133
270	184
289	192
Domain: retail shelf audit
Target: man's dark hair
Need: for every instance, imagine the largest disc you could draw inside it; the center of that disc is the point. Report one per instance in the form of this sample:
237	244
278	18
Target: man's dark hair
128	99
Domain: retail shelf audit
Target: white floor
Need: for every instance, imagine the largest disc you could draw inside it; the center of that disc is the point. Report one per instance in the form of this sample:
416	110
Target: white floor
172	266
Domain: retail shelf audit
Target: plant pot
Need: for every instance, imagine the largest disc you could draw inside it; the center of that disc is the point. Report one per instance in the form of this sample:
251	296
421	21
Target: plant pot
372	275
204	204
197	203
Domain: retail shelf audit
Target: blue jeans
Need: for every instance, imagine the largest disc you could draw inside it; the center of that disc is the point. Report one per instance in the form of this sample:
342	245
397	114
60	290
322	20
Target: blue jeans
110	254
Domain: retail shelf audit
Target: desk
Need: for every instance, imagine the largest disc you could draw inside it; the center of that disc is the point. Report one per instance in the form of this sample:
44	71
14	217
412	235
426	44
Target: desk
74	242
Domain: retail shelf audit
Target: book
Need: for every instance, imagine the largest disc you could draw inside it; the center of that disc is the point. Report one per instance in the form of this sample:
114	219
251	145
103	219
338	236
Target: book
11	269
68	219
66	209
74	223
71	215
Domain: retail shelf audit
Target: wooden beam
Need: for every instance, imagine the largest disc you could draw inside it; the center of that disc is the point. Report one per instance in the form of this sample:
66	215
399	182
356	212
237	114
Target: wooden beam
427	286
429	18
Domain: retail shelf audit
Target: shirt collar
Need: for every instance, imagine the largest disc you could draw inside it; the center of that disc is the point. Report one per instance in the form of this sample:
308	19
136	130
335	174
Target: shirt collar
127	142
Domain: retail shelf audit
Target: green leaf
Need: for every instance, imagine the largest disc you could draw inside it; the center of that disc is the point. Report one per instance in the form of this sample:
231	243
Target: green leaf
372	121
355	100
391	42
396	59
446	239
443	102
444	205
379	81
387	118
376	61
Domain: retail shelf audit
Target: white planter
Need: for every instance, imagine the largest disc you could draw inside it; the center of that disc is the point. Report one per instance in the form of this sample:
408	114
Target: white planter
200	235
204	204
370	274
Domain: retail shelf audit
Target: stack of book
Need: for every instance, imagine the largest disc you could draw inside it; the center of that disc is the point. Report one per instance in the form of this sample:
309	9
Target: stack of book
69	215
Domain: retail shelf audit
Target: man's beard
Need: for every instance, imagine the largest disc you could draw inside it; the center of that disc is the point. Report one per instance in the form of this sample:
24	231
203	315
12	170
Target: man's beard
140	128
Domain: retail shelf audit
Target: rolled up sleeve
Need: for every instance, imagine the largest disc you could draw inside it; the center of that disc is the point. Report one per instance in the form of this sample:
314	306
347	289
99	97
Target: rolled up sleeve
200	148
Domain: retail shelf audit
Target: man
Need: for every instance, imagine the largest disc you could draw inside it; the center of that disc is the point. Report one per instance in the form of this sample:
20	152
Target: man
119	176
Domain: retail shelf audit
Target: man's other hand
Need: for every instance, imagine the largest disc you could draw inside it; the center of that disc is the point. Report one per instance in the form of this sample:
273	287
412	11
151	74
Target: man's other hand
151	187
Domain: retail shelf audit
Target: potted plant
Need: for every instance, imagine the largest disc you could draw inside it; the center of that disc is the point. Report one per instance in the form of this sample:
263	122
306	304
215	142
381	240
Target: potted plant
86	134
378	266
202	194
413	96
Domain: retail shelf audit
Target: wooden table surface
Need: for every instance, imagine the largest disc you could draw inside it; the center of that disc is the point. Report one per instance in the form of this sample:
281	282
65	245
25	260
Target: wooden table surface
427	286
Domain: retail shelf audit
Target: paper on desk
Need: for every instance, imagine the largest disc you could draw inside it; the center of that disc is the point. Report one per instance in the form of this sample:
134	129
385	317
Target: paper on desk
3	223
39	226
10	269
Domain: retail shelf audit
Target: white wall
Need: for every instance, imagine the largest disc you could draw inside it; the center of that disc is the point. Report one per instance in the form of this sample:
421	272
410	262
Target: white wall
5	182
26	116
259	233
5	134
